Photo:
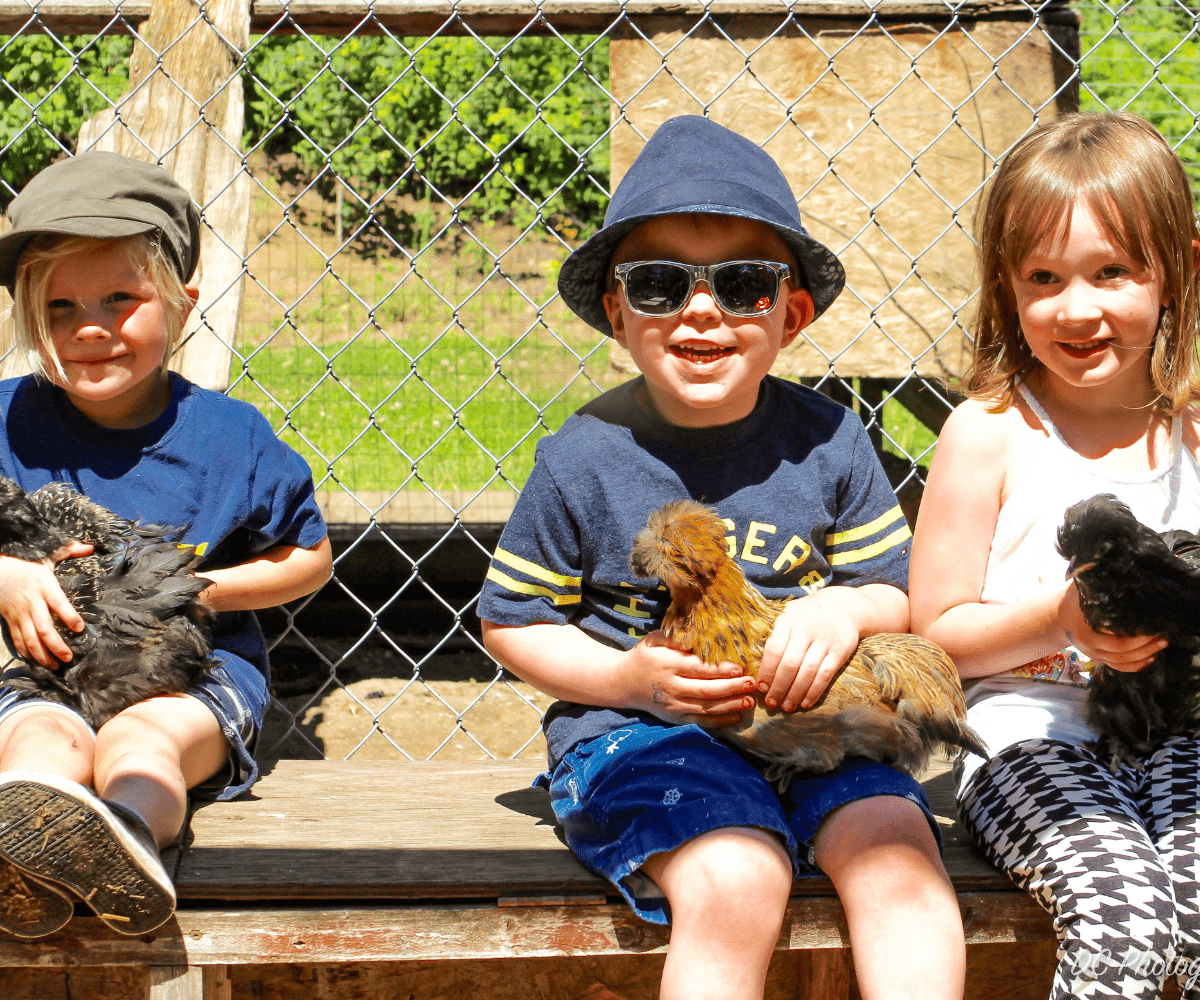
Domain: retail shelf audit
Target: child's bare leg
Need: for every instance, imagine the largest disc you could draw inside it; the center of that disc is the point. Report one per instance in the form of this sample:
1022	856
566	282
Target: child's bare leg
728	890
905	926
149	755
47	739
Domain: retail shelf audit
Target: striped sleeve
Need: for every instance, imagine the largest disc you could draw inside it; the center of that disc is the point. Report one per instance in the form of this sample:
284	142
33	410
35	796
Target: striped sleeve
870	540
517	575
535	575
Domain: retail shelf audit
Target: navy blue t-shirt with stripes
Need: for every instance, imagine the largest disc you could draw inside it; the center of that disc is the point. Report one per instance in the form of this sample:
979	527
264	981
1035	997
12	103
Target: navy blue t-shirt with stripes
797	483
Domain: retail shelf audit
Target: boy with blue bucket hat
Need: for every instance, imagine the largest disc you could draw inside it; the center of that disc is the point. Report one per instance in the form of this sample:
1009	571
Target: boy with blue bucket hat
704	273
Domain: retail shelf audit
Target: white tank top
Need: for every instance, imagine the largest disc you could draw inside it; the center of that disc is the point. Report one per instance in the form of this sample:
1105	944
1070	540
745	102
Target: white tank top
1013	706
1024	561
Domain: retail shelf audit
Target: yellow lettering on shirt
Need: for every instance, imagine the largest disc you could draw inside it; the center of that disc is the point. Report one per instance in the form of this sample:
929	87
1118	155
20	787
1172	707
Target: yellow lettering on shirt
633	608
754	542
793	554
811	583
730	540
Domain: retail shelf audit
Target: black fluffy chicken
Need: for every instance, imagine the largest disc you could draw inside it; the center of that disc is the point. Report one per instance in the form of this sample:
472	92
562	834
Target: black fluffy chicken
147	634
1133	580
895	700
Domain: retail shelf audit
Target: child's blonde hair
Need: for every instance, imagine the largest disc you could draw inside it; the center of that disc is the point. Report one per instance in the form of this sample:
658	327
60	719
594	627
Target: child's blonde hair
31	316
1139	192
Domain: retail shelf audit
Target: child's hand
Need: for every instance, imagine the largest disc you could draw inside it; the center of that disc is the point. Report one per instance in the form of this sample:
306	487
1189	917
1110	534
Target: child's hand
812	639
30	597
1128	654
678	687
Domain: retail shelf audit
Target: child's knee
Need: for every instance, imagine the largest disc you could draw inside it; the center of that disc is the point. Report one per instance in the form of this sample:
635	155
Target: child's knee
47	726
885	833
726	871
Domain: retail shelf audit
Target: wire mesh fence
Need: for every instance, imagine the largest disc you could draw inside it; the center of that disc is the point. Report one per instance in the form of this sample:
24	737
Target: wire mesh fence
388	191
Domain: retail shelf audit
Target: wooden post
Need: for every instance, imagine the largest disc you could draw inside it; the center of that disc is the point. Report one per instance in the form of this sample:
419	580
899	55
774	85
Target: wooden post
184	108
217	984
176	982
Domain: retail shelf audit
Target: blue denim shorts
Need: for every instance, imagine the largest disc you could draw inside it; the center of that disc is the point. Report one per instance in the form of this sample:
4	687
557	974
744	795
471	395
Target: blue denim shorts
234	690
644	789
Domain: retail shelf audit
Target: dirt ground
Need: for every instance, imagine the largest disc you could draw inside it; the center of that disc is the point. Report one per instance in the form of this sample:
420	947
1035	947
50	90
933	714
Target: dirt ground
380	708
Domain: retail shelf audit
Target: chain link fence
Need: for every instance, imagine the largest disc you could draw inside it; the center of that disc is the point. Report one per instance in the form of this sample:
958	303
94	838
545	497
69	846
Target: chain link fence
388	191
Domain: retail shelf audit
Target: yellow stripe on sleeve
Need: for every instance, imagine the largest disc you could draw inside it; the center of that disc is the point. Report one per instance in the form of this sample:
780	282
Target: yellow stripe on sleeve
536	571
871	551
863	531
518	587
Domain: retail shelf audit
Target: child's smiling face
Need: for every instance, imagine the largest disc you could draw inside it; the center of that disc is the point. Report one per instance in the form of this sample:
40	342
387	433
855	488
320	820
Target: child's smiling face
108	326
1089	311
703	366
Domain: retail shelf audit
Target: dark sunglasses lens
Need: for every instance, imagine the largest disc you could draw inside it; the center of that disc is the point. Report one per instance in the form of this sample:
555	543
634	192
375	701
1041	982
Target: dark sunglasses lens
657	289
746	288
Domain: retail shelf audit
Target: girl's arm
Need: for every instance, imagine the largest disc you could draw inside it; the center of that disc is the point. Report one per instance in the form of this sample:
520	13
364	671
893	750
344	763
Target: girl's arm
279	575
653	676
959	511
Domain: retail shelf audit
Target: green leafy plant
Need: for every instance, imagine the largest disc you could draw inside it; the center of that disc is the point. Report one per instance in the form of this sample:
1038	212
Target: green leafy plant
1142	57
482	128
48	87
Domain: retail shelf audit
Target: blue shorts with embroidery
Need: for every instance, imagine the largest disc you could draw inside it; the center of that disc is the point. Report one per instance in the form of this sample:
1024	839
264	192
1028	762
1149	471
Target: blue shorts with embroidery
644	789
234	690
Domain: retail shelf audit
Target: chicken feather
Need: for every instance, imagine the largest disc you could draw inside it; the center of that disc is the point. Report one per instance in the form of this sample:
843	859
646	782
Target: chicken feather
895	700
146	633
1133	580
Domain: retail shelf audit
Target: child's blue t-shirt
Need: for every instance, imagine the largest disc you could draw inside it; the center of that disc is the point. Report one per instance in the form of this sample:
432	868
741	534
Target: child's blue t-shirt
797	482
209	463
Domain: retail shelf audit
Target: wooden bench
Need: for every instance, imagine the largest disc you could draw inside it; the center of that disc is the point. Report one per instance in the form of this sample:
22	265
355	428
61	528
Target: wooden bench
381	879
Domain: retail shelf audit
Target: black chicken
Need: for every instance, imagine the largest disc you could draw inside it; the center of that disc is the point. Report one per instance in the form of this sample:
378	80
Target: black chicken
146	632
1133	580
895	700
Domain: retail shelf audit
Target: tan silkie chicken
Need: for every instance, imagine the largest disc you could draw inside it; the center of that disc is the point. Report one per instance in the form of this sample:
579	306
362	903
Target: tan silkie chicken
896	699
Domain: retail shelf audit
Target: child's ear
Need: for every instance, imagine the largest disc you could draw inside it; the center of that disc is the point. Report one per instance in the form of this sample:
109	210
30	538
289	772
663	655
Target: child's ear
193	293
800	310
616	319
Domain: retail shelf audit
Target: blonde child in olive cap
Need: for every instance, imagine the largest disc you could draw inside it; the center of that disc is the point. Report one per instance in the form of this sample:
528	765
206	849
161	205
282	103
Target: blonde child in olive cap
99	259
704	272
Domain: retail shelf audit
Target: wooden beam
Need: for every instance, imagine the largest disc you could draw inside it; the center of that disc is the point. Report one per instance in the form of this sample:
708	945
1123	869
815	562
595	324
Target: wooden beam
432	932
497	17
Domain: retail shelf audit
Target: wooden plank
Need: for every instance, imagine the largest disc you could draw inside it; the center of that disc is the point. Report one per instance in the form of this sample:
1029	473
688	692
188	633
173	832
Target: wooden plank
217	984
384	829
432	932
498	17
176	983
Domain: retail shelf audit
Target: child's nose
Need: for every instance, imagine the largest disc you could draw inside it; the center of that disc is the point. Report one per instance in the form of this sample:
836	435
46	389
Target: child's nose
1078	303
92	325
702	305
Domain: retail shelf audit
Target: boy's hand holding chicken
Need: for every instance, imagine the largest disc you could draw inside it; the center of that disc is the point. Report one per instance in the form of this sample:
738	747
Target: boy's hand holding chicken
813	638
678	687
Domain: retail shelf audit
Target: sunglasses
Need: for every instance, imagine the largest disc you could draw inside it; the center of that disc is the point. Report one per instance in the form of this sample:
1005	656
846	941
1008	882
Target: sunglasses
740	287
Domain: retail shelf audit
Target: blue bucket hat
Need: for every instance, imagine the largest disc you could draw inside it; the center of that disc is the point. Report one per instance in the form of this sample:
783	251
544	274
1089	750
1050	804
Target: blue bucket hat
692	164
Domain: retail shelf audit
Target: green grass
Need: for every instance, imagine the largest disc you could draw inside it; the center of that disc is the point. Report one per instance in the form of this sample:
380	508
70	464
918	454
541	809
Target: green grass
379	415
382	383
909	437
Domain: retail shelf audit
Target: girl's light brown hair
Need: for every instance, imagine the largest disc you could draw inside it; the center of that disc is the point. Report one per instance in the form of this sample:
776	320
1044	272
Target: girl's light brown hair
1139	192
31	314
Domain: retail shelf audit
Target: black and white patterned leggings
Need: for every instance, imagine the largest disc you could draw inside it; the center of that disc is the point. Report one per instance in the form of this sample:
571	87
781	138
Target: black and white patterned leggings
1113	858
